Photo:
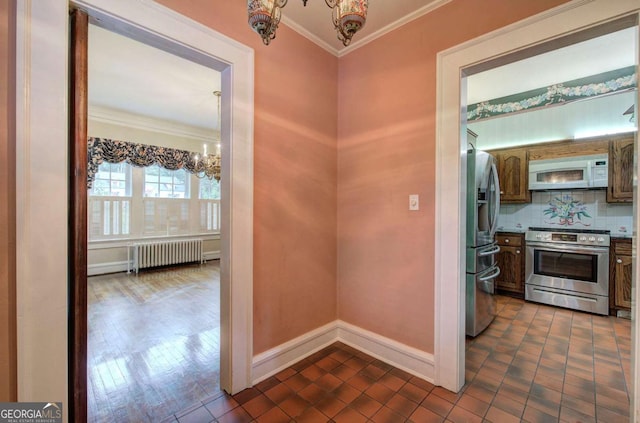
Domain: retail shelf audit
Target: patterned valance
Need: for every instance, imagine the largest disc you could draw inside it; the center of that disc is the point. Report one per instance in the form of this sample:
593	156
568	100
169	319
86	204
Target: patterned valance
593	86
111	151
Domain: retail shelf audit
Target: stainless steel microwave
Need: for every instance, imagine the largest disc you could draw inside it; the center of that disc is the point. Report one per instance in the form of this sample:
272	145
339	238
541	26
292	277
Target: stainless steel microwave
569	173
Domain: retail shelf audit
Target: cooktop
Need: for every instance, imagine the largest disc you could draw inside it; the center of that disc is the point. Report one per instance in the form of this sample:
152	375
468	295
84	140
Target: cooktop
571	230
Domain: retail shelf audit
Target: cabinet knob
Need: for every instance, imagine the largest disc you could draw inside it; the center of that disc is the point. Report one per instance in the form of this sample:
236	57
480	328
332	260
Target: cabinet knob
517	251
501	192
506	240
618	260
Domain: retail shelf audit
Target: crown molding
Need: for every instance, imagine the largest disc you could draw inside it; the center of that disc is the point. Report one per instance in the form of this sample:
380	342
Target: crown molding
308	35
393	26
133	120
369	38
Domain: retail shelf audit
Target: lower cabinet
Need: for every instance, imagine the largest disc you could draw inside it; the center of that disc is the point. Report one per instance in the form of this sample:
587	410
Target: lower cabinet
510	260
620	267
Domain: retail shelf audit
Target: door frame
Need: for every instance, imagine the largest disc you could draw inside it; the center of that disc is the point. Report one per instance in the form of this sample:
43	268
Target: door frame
42	54
571	17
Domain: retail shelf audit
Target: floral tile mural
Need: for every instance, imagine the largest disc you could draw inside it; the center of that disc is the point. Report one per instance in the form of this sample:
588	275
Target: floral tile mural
566	211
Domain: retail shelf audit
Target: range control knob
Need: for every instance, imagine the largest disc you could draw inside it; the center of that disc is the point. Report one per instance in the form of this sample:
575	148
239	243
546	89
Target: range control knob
600	239
582	238
592	239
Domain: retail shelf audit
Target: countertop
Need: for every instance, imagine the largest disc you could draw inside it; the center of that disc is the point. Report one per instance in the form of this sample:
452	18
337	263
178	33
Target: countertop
512	230
503	229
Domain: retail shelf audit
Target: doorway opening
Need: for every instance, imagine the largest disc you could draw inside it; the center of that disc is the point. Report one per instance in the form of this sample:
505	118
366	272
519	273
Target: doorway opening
169	31
449	348
545	105
153	333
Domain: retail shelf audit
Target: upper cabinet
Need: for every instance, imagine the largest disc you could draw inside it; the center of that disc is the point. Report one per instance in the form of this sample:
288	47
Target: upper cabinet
620	188
513	165
513	172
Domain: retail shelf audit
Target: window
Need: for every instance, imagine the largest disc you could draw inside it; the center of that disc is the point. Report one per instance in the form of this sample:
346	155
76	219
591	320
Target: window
112	179
109	209
128	202
162	183
165	217
108	217
209	189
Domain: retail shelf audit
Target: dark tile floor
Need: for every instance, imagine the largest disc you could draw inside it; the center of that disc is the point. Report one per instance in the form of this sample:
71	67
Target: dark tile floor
534	364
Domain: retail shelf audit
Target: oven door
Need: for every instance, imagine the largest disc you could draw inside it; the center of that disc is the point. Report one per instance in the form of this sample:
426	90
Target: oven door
568	267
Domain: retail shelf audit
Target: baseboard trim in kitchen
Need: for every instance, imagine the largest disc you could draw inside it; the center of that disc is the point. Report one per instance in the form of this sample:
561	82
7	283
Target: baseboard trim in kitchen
399	355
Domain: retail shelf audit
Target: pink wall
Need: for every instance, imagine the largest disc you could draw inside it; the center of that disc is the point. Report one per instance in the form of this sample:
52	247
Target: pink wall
295	174
386	94
386	151
8	376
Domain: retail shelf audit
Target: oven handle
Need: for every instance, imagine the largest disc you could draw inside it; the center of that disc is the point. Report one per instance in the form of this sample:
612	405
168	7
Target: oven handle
491	252
566	248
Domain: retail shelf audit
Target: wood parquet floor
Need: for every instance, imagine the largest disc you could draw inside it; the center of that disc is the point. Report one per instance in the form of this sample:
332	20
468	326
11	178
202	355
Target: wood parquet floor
153	342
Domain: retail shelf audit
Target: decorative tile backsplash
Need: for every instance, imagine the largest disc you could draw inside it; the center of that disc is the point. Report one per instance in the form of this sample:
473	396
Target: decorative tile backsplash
568	209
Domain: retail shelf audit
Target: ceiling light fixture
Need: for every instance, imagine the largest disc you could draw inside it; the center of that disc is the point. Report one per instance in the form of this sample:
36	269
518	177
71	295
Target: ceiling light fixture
349	17
210	165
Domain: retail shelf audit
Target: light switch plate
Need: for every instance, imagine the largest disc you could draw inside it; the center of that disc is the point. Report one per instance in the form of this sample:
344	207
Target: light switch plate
414	202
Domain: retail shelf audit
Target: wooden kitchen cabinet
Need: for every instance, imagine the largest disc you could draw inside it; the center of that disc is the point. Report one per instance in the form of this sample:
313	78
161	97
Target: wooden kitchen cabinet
510	260
513	172
620	188
620	275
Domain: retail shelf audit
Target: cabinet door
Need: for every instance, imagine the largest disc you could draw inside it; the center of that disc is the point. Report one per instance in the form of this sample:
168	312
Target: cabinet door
513	172
620	188
510	261
623	281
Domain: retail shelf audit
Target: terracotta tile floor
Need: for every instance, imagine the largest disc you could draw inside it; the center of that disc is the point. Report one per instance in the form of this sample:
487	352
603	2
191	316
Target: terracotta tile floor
534	364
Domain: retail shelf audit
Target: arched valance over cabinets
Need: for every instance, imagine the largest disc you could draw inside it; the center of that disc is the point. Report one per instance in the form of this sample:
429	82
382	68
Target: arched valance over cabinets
111	151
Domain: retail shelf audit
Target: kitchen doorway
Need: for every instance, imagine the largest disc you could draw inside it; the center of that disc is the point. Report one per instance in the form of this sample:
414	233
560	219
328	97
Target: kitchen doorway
449	345
581	361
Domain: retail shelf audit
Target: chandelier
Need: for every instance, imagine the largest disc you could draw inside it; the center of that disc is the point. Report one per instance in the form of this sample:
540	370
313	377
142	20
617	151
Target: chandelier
210	164
348	17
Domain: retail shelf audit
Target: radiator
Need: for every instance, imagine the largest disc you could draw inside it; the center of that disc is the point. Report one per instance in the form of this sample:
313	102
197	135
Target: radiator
164	253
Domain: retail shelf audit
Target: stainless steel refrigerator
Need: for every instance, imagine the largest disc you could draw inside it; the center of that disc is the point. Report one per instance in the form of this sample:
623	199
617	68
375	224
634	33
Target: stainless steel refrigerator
483	206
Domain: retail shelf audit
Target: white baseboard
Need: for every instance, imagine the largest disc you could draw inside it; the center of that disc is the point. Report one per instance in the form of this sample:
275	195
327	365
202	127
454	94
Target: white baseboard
103	268
121	266
401	356
276	359
211	255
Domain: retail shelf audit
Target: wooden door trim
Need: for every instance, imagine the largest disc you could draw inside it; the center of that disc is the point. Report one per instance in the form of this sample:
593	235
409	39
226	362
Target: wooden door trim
78	115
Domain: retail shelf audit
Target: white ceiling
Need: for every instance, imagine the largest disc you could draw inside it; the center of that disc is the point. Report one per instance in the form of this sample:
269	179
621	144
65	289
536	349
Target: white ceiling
131	77
315	21
591	57
597	116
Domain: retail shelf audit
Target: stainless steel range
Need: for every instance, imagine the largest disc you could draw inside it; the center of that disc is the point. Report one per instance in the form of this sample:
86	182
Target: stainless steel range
568	268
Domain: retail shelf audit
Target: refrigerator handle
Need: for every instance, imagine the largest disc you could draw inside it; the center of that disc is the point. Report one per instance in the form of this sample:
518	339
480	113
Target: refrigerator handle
492	251
496	181
491	276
